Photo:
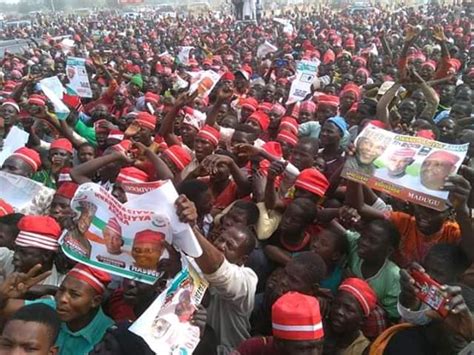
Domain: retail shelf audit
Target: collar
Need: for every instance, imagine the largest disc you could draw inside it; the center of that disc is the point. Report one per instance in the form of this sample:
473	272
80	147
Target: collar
92	332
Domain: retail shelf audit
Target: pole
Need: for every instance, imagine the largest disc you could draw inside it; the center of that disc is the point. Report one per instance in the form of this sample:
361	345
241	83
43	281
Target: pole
52	6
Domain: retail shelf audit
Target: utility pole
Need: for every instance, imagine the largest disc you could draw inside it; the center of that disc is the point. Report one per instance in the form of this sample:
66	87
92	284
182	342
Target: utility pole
52	5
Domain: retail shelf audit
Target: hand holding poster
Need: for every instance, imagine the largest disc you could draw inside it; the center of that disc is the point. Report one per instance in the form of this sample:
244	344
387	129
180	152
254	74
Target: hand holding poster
413	169
203	82
77	75
165	325
306	72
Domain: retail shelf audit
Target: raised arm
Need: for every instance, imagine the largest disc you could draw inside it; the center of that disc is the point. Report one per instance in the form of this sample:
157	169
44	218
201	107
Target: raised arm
83	172
383	110
167	125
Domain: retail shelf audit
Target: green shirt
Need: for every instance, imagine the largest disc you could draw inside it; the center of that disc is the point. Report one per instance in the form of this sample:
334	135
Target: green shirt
86	132
83	341
46	178
386	282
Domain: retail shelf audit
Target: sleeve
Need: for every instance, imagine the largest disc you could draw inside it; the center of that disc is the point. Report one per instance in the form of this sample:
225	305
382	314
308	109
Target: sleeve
86	132
268	222
47	301
235	283
352	238
390	299
414	317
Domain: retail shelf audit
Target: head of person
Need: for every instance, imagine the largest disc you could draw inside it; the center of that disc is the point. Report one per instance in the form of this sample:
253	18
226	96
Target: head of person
299	214
448	130
332	131
138	295
36	243
60	208
327	107
407	110
23	162
353	303
176	158
446	94
99	112
199	193
248	106
378	240
331	245
276	113
113	237
429	221
446	263
269	93
311	184
287	141
348	97
33	329
297	325
467	137
147	248
369	148
142	128
80	295
60	154
460	109
102	130
86	152
244	134
136	84
259	121
304	153
236	243
399	160
9	111
306	113
436	167
420	100
118	340
206	142
241	214
303	273
366	109
9	229
361	76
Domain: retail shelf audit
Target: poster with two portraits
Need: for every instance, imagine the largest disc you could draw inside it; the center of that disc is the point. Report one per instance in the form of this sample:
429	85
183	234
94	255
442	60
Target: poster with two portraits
130	239
409	168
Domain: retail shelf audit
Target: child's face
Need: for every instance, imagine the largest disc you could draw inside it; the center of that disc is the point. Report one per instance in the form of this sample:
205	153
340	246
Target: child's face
372	243
324	245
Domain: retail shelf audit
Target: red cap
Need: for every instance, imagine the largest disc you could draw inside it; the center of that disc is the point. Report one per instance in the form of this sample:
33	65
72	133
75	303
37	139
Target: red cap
265	107
12	103
261	118
362	291
308	106
67	190
350	87
132	174
115	134
62	143
5	208
64	176
114	225
444	156
38	100
228	76
426	133
378	124
249	103
209	134
297	317
278	109
149	236
287	137
146	120
313	181
178	155
39	232
290	124
273	148
29	156
329	56
123	146
330	100
152	98
429	63
97	279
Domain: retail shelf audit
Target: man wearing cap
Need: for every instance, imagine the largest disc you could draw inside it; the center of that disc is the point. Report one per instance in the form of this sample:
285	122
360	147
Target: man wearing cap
9	111
296	326
60	208
77	303
396	165
148	245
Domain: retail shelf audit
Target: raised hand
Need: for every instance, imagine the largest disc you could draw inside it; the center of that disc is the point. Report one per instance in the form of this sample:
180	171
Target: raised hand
459	190
17	283
186	210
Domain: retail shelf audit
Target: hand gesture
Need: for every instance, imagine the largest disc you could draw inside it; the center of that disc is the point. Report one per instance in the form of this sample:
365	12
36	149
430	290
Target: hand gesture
276	169
411	33
348	216
245	149
186	210
459	318
211	162
17	283
438	34
459	190
185	99
97	60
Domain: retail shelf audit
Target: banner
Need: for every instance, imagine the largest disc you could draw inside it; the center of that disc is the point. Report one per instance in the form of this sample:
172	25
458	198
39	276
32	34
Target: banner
265	48
77	75
53	84
165	325
203	82
15	139
52	88
183	55
410	168
306	72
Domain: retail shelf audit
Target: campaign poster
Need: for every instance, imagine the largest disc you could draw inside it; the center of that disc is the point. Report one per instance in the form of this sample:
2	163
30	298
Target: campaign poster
203	82
306	72
409	168
77	75
165	325
115	238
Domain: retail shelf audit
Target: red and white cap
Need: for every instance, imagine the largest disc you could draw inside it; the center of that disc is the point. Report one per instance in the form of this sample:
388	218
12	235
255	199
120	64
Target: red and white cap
39	232
149	236
114	225
12	103
67	190
146	120
362	291
209	134
313	181
5	208
290	124
115	134
297	317
63	144
178	155
37	100
132	174
287	137
97	279
29	156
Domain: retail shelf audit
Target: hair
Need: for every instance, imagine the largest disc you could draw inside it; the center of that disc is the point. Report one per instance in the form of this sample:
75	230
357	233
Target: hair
226	153
453	257
313	264
192	188
307	206
390	230
251	210
466	104
250	240
340	240
312	142
86	144
11	219
40	313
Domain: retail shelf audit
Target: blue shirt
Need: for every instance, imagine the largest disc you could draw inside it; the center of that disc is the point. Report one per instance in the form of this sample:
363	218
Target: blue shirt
83	341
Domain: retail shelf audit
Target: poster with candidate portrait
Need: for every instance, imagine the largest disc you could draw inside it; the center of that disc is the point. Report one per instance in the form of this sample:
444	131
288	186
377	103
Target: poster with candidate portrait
124	241
410	168
166	325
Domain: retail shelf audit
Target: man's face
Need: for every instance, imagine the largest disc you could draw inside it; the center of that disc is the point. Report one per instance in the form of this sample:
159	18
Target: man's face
202	148
86	153
113	241
9	114
16	166
21	337
446	94
147	255
429	221
61	210
396	165
75	299
301	156
25	258
434	171
230	242
346	314
369	149
305	116
325	111
59	158
407	111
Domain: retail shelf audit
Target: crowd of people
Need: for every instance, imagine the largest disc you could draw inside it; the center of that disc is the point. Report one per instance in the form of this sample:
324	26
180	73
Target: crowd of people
299	260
